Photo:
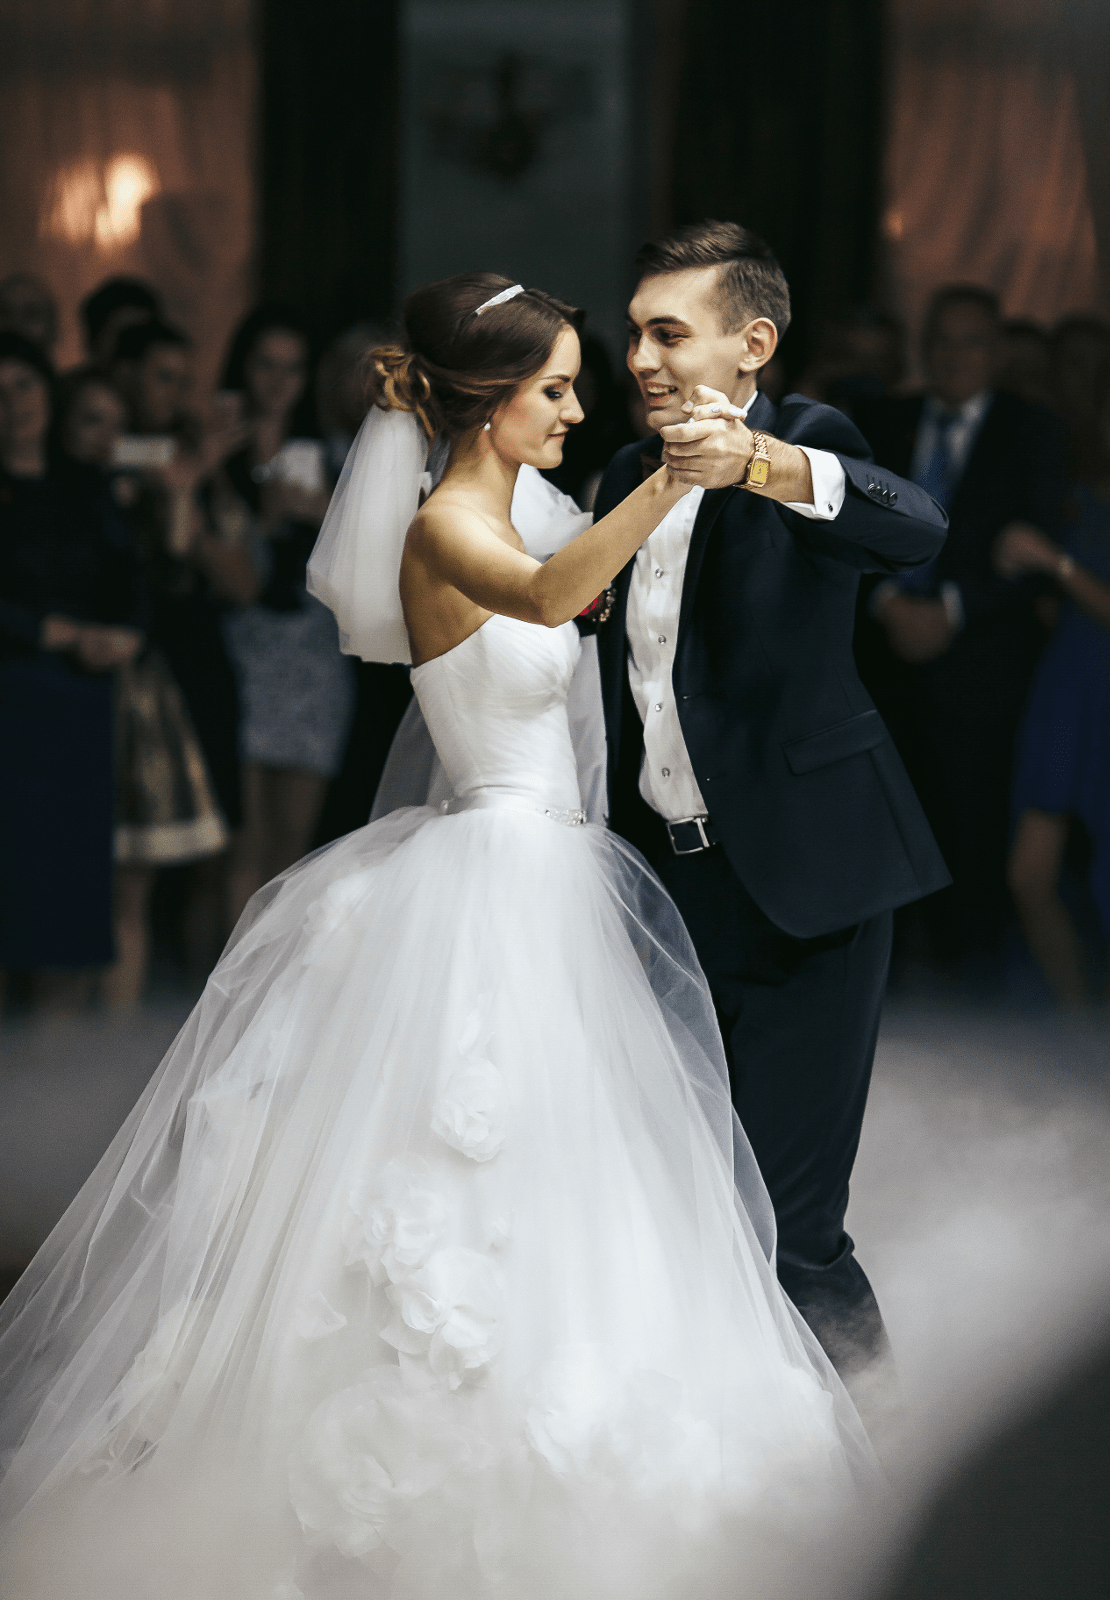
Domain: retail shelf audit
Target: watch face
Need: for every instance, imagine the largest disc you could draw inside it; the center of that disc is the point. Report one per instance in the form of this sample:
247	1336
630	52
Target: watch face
757	472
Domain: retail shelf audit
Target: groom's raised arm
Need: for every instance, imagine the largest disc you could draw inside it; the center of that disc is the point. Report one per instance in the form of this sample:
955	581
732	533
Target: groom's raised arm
886	523
862	514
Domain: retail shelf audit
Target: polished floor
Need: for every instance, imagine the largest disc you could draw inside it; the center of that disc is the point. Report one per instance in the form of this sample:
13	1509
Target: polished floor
979	1207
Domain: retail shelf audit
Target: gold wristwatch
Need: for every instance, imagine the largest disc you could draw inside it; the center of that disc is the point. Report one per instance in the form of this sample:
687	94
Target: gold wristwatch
755	475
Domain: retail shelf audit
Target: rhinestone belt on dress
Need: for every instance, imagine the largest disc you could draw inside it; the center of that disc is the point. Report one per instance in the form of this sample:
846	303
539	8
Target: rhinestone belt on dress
568	816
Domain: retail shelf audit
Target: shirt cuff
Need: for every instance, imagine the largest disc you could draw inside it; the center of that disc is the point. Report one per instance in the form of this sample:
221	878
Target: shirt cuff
829	487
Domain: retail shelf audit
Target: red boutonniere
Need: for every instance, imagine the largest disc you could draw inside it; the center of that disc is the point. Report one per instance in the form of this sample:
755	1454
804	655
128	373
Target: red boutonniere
597	612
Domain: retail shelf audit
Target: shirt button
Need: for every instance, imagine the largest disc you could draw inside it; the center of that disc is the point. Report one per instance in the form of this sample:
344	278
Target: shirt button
666	772
662	638
659	572
659	705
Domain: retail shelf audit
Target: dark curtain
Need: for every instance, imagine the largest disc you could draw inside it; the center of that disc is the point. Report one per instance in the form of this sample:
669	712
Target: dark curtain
328	118
126	136
1090	55
997	160
778	124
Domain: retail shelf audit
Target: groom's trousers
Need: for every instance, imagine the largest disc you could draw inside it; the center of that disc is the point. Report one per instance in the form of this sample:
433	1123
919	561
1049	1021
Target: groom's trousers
799	1018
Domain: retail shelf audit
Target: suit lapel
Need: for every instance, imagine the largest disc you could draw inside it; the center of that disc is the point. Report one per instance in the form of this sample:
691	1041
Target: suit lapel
612	640
762	416
978	463
712	504
615	644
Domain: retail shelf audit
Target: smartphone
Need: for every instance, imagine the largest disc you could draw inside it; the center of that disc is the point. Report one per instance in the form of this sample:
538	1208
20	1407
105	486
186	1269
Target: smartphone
299	462
140	452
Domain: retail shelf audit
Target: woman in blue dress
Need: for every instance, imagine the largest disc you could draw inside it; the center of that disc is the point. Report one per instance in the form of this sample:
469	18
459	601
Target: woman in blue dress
1063	762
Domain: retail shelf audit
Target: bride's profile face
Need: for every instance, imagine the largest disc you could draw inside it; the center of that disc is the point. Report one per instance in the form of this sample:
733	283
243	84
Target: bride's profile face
531	426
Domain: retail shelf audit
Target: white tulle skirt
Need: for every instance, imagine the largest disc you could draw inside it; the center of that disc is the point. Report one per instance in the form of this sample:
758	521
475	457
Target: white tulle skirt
431	1262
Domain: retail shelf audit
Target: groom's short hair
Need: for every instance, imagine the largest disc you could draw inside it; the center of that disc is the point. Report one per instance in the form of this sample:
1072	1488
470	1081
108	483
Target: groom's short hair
752	282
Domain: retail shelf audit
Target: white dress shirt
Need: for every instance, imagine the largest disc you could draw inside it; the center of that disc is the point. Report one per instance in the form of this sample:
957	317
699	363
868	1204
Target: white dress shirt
667	779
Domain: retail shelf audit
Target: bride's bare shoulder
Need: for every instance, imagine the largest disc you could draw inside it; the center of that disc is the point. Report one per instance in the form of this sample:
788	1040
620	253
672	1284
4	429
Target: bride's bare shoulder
447	520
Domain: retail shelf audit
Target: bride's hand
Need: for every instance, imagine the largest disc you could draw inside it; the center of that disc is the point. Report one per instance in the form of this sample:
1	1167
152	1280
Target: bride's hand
713	446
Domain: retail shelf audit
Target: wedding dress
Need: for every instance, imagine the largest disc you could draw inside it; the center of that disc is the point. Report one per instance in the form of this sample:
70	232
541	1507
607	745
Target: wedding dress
546	521
432	1261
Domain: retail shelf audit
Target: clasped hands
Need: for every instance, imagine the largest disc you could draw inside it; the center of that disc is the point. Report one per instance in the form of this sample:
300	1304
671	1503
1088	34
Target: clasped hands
713	447
97	646
1021	548
917	629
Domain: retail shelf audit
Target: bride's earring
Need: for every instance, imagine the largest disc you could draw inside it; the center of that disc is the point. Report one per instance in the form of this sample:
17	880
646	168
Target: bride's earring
486	428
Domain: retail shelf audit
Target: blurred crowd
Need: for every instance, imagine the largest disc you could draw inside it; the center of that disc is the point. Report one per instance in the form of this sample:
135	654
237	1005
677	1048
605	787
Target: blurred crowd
992	666
178	724
175	711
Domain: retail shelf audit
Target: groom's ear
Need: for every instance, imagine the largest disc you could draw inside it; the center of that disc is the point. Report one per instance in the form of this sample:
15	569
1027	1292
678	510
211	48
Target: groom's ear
758	341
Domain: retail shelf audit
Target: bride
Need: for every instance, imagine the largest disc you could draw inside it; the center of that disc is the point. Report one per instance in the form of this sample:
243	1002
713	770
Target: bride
432	1262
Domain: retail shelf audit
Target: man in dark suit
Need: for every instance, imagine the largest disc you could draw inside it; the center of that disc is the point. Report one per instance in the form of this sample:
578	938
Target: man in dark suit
948	650
746	760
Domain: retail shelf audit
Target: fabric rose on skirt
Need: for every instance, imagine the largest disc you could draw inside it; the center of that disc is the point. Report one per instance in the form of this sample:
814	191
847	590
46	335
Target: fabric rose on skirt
471	1113
593	1418
395	1229
368	1454
449	1311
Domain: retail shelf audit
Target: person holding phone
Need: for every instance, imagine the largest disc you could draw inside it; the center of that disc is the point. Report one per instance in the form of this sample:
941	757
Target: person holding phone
296	689
176	712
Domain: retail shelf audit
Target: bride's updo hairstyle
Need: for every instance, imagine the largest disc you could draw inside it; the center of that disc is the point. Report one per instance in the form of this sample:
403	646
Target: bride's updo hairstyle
461	365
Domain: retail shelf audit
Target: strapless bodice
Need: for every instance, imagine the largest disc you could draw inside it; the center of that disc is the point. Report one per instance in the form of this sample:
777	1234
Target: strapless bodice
496	708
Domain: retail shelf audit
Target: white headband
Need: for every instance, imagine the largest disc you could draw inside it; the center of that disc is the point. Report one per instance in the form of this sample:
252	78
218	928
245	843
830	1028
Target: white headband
499	299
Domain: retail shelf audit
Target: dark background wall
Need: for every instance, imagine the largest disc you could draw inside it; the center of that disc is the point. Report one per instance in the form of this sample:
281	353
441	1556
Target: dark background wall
327	157
334	152
781	127
639	113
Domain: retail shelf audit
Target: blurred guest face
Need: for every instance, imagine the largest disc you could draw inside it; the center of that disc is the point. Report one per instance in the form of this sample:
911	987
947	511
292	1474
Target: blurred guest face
532	425
103	347
1023	365
276	371
874	352
95	421
24	406
1078	359
961	351
27	307
676	341
160	386
351	395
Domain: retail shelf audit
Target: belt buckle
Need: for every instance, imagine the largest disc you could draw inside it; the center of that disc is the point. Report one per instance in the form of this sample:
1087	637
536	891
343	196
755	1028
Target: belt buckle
699	823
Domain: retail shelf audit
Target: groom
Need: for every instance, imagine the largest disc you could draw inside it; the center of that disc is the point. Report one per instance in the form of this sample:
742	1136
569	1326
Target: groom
746	760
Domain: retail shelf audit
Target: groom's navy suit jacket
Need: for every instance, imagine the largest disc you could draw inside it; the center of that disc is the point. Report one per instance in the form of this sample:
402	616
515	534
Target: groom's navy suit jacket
799	774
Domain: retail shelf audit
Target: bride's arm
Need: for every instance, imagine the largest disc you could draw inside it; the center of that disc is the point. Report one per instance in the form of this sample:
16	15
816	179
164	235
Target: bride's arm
457	547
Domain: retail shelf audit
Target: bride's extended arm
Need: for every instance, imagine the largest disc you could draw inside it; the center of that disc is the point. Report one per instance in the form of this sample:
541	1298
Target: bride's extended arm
460	549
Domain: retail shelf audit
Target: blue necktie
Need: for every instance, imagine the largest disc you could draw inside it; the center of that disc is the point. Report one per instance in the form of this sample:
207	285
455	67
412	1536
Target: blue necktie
938	478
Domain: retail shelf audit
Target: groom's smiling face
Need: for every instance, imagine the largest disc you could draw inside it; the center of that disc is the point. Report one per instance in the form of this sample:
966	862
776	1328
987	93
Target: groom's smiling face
677	339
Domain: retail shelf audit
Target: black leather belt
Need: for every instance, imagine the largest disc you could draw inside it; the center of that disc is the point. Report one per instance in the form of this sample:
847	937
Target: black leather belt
691	834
